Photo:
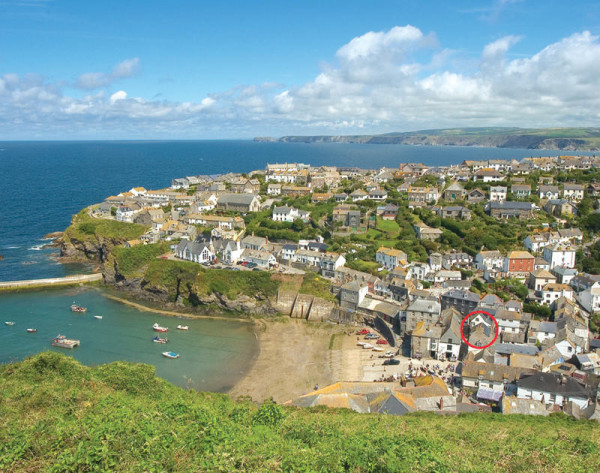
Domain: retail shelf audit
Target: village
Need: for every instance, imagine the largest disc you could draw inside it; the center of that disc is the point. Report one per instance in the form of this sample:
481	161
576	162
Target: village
409	254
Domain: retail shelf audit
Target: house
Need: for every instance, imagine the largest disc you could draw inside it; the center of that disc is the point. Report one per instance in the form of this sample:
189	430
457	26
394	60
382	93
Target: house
388	212
548	192
288	250
462	300
420	310
537	241
263	259
378	195
590	299
274	189
476	195
444	275
330	262
559	255
455	211
227	223
390	258
180	183
341	197
552	389
570	235
254	243
125	213
358	195
541	331
456	260
454	192
498	193
425	232
593	189
489	260
508	209
320	197
347	216
518	263
539	278
487	175
560	207
295	191
289	214
352	294
103	210
490	380
424	340
451	340
423	195
435	261
198	252
553	291
230	251
239	202
521	191
573	192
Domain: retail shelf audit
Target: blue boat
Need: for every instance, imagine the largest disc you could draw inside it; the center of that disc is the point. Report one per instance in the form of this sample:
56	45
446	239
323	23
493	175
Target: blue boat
170	354
157	339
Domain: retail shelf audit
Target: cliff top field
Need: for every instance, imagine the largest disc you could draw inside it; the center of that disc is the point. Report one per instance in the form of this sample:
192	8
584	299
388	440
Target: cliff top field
57	415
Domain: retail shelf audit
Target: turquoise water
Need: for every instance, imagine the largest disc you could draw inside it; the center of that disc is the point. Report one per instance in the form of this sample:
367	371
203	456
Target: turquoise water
214	354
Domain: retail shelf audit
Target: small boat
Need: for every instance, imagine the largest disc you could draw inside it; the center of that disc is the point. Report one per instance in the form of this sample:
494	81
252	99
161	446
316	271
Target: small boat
31	330
9	323
182	327
64	342
77	308
170	354
361	344
99	317
378	349
157	339
158	328
367	346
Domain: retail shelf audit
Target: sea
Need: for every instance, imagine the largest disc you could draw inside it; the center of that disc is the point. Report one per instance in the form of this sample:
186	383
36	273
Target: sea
44	183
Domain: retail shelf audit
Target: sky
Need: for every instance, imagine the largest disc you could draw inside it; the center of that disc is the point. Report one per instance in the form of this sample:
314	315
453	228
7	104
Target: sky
236	69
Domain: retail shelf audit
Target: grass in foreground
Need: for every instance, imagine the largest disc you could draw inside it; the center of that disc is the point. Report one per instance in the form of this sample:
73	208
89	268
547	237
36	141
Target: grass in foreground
57	415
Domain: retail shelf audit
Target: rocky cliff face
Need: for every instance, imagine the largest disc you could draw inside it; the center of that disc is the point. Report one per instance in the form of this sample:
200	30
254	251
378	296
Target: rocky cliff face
94	249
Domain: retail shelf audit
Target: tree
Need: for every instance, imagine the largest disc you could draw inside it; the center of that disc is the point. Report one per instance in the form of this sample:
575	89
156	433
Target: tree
298	225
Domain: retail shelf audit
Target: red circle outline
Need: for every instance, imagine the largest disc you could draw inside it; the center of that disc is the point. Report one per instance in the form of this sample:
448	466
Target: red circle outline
462	335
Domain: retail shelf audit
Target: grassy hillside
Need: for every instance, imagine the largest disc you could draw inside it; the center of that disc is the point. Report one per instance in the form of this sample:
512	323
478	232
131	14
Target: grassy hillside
57	415
83	227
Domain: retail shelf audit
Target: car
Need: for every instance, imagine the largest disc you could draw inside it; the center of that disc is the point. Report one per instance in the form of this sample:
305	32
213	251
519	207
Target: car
240	262
244	263
382	341
391	361
364	331
371	336
256	269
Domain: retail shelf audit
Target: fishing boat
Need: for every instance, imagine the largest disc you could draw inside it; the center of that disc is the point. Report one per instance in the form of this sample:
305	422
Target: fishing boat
157	339
9	323
64	342
182	327
77	308
170	354
31	330
99	317
158	328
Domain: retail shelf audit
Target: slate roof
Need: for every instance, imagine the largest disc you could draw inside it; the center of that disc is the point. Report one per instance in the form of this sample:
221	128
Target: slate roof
551	383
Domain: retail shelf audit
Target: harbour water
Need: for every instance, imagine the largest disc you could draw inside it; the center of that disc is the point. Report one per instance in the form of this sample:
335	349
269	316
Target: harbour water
214	354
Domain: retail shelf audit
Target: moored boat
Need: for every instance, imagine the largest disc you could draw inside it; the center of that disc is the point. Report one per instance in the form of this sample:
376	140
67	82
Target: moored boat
158	328
99	317
367	346
170	354
157	339
378	349
31	330
9	323
77	308
182	327
63	342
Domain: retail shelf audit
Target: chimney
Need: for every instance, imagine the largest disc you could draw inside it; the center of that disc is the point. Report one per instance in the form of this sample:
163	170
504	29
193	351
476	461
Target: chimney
441	404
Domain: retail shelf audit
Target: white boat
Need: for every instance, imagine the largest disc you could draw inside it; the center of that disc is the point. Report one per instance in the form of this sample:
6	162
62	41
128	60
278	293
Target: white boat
182	327
368	346
98	317
378	349
361	344
9	323
170	354
158	328
31	330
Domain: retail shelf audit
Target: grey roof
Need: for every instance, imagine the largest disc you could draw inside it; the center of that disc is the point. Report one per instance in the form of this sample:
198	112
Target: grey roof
548	327
422	305
245	199
461	294
551	383
290	246
509	348
511	205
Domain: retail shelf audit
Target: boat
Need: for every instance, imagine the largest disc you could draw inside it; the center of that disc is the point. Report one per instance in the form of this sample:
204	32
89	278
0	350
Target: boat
158	328
31	330
182	327
63	342
361	344
378	349
77	308
170	354
157	339
367	346
99	317
9	323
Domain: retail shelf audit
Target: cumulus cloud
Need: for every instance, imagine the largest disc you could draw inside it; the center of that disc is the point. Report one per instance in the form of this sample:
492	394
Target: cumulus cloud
398	79
96	80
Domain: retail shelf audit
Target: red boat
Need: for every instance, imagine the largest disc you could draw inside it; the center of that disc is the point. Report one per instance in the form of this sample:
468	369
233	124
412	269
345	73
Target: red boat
382	341
364	331
158	328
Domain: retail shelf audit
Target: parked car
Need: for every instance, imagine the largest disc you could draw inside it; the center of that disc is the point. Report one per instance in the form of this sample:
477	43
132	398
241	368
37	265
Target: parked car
371	336
256	269
382	341
364	331
391	361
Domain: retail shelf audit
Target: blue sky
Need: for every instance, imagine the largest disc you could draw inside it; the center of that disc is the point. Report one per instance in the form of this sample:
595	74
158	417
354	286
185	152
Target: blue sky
238	69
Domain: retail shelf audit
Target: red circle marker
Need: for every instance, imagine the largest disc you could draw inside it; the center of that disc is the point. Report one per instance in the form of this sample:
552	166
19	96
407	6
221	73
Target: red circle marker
462	335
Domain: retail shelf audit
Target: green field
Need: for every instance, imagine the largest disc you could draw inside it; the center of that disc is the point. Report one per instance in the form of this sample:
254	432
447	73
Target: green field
59	416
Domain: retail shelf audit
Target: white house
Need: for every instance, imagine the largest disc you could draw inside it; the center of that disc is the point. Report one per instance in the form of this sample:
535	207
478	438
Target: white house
273	189
558	255
552	389
573	191
590	299
498	193
289	214
390	257
358	195
232	252
554	291
548	192
332	261
262	259
489	260
125	213
198	252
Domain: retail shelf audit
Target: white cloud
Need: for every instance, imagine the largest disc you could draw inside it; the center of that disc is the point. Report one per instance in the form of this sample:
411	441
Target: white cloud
380	81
